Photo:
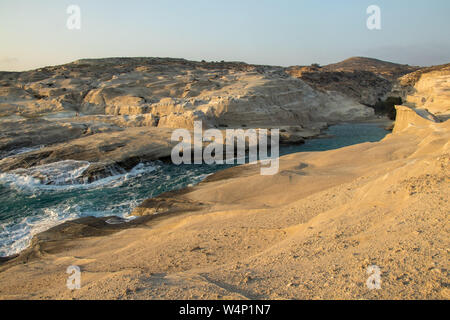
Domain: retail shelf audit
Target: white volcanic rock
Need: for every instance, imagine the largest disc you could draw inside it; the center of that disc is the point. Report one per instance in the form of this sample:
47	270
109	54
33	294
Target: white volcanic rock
176	91
432	92
427	88
91	102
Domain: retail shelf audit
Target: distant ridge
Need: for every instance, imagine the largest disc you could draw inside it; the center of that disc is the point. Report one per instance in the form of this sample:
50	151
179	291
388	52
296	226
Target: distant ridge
365	61
382	68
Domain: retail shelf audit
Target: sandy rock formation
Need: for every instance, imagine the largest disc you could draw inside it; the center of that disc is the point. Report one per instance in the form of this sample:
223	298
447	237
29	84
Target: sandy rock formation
175	91
107	153
412	117
432	92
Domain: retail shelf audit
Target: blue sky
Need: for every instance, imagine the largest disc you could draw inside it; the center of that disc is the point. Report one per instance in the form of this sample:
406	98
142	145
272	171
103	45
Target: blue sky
278	32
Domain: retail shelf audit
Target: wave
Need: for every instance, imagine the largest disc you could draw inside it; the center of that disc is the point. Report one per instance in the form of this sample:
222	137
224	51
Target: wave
17	152
67	175
16	235
16	232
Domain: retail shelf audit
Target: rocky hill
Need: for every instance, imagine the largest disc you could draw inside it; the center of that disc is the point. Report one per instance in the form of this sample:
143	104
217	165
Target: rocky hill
365	80
384	69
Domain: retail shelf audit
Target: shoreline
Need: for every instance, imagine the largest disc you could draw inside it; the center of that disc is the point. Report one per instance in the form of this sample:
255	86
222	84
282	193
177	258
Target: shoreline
333	212
169	193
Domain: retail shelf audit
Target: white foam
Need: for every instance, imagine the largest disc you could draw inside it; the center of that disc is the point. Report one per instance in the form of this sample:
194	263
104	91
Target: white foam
21	151
16	236
66	175
58	173
120	220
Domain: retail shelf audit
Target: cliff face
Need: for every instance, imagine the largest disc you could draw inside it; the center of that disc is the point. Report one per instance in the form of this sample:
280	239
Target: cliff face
427	91
410	117
432	92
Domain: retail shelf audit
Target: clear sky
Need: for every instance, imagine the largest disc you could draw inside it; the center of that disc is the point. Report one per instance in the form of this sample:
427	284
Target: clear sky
278	32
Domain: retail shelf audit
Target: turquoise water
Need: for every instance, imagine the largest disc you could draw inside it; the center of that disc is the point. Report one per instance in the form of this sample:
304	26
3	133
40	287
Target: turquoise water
29	207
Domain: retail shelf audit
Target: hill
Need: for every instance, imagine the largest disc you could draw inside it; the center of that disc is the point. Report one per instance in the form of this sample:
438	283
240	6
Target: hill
388	70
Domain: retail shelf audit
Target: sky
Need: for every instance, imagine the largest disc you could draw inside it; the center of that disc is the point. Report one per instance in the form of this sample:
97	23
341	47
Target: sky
276	32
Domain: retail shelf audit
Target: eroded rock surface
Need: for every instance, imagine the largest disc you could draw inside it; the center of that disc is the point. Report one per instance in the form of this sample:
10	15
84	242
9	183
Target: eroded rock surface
175	92
428	89
90	110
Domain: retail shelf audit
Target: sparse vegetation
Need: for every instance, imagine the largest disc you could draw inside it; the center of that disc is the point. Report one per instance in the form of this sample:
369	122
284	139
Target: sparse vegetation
387	107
